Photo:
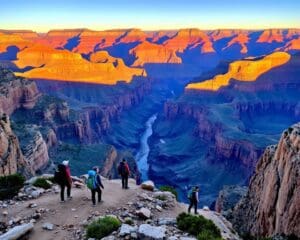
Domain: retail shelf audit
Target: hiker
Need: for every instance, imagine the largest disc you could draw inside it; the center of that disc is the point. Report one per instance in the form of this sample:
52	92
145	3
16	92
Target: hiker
123	170
94	183
63	178
194	199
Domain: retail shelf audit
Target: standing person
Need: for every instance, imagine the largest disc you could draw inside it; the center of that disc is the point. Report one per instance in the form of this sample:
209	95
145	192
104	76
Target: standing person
63	178
123	170
194	199
97	186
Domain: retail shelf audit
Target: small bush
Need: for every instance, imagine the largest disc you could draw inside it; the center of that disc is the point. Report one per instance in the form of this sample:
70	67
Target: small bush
129	221
42	183
169	189
207	235
51	179
102	227
10	185
198	226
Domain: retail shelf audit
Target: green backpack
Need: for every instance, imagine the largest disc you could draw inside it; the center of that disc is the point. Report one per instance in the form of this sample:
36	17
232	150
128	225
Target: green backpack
91	181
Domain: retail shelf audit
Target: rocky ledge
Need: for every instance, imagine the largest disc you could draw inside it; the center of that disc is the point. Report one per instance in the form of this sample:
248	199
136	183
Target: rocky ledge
272	203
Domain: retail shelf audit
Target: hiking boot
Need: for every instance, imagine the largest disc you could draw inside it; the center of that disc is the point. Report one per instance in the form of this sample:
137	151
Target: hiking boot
70	197
63	201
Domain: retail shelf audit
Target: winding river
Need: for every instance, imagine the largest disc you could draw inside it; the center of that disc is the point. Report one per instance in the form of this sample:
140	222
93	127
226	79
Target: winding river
143	153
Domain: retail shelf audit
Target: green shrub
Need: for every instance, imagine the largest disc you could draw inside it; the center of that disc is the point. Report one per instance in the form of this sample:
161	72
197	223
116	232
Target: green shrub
207	235
169	189
10	185
198	226
42	183
102	227
51	179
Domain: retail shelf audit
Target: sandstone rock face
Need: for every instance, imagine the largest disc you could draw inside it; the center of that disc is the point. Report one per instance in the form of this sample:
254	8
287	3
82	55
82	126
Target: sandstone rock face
245	70
241	39
16	92
11	157
272	203
272	35
36	152
63	65
228	197
153	53
190	38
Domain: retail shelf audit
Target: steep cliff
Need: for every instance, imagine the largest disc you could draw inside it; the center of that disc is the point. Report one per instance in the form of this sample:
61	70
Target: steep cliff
16	92
147	52
272	203
11	157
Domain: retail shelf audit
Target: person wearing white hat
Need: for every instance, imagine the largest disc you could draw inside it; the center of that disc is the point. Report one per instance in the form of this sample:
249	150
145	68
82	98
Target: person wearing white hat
65	180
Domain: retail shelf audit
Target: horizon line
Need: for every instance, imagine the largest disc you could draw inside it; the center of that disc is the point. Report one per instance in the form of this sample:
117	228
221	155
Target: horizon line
147	30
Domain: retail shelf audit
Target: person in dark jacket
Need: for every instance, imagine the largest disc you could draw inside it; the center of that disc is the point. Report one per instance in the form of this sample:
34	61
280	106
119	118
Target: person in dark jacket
194	199
98	186
123	170
65	180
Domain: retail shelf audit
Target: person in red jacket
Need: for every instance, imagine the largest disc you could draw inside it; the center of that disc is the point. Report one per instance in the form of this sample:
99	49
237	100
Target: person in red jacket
67	181
123	170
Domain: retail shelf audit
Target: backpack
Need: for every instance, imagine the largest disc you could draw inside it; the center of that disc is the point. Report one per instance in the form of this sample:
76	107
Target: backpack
190	193
122	169
91	181
58	174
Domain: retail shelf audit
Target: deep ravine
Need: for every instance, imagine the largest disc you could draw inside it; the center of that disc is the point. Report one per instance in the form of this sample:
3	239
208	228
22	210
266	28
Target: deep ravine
143	152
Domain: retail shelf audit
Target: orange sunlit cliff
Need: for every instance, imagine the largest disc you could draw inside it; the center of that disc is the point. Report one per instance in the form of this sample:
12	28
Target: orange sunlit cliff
68	66
244	70
153	53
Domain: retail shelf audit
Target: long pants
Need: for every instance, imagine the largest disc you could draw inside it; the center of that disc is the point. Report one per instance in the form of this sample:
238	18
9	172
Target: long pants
62	190
94	191
193	202
124	181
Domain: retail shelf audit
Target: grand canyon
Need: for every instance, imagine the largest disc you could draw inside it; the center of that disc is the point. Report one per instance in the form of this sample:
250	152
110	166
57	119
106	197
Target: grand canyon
184	107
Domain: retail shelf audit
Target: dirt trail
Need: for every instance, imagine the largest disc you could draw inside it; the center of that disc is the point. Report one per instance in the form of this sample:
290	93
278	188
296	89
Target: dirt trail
76	210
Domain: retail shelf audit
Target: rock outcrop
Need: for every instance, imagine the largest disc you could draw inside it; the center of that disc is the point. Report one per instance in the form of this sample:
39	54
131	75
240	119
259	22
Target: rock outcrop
245	70
11	157
147	52
272	203
16	92
64	65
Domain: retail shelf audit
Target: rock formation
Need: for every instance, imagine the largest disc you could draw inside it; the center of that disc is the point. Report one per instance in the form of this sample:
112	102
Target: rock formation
245	70
153	53
272	203
16	92
11	157
67	66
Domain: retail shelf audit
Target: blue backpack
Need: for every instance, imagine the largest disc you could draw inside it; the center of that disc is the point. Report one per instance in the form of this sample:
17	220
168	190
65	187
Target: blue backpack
91	181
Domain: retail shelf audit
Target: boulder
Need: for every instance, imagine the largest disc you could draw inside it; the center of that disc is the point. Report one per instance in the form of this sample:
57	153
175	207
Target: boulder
166	221
127	230
148	232
17	232
48	226
168	196
148	185
144	213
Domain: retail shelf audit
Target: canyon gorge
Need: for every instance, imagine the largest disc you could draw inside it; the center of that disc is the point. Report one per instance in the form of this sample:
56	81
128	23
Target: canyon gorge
184	107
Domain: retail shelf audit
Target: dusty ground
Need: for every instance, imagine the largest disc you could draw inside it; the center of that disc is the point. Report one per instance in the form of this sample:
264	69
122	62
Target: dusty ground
61	214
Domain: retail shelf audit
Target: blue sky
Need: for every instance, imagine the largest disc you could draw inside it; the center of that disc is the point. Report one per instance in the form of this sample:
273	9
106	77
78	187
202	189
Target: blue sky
42	15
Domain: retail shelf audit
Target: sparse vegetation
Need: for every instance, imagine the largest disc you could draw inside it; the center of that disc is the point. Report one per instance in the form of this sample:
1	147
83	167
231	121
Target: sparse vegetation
10	185
102	227
169	189
161	198
42	183
198	226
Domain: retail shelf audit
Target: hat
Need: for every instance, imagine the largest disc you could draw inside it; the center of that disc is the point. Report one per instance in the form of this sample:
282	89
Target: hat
66	162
